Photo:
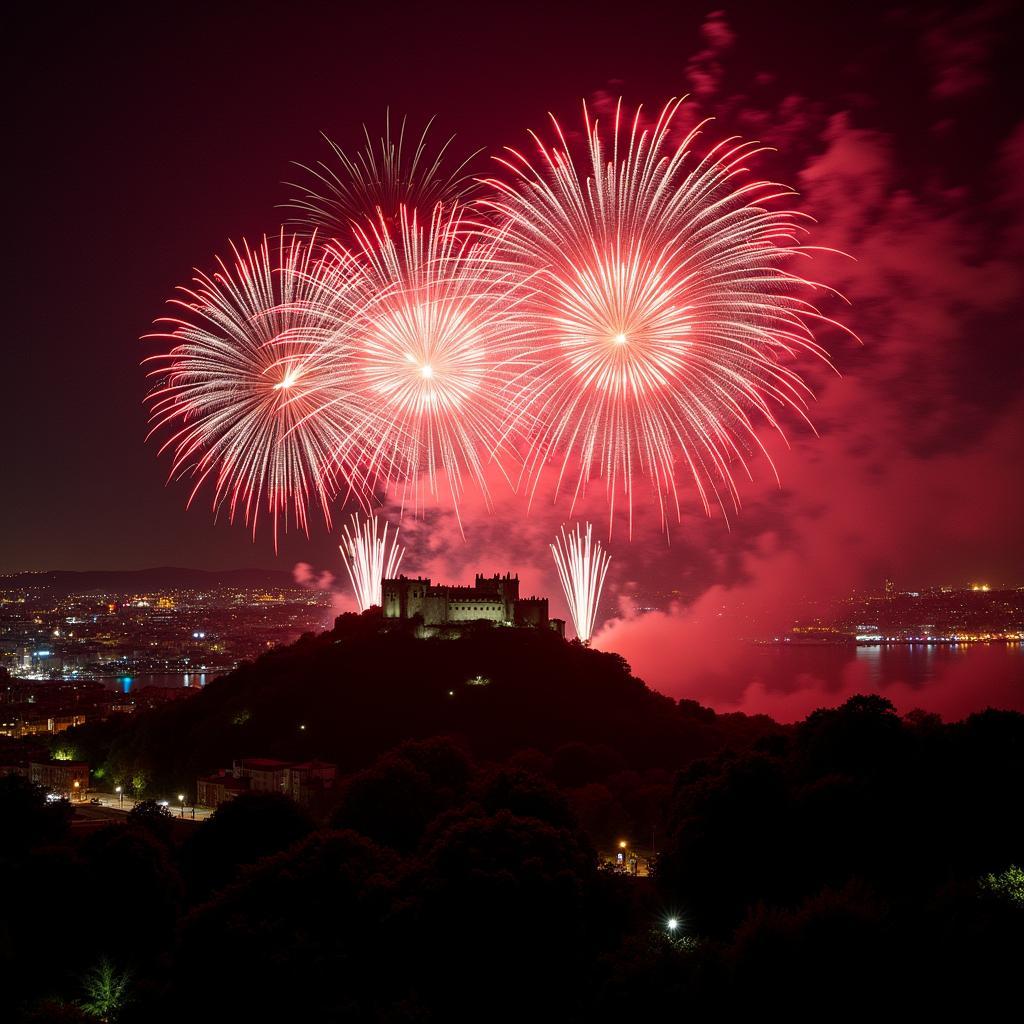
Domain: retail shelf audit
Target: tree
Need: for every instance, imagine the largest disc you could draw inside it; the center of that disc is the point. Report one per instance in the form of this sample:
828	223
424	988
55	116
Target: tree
106	991
154	817
242	831
391	802
55	1011
135	890
30	818
1007	885
299	935
503	897
140	780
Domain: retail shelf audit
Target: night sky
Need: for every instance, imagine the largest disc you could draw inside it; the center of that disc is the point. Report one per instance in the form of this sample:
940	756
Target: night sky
142	142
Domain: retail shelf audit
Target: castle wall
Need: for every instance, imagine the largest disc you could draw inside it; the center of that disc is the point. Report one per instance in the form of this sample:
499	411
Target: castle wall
532	611
465	610
491	598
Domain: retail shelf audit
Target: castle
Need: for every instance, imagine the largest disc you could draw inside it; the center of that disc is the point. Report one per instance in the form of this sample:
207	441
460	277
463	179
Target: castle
441	609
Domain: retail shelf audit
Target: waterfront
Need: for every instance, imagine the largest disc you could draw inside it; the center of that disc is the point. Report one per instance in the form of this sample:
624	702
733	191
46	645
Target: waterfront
789	681
132	684
916	664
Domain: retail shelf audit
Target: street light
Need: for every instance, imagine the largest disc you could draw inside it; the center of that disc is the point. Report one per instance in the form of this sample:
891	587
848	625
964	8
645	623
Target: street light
181	803
119	790
672	924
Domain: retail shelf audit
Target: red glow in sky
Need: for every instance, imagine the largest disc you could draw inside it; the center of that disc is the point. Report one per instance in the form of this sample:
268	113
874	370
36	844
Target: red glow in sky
895	125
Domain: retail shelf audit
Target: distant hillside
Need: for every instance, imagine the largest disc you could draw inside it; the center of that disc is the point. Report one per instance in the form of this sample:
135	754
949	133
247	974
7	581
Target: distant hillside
140	580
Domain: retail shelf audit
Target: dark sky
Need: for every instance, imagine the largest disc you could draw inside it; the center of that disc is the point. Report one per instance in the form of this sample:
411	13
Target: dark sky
146	136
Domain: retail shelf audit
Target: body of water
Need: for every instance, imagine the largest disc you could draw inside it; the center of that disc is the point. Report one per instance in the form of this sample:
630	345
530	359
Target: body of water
130	684
788	681
879	664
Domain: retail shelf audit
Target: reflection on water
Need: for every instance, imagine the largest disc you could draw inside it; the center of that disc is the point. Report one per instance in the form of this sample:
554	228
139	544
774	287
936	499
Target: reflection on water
919	664
127	684
780	666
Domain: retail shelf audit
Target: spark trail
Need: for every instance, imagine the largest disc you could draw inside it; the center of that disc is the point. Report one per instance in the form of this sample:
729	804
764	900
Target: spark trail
582	565
370	555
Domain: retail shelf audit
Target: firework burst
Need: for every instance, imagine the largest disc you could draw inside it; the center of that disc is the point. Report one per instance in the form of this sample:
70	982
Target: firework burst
582	565
378	181
370	556
251	402
431	326
666	320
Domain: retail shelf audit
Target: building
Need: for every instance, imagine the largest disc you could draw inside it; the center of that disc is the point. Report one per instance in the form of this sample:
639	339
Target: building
65	778
265	774
217	789
17	725
436	608
309	783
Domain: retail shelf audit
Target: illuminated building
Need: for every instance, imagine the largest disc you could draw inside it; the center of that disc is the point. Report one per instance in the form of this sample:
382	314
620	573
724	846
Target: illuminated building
494	599
65	778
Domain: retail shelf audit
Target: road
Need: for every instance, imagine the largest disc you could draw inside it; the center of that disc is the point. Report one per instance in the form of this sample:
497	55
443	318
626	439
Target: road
122	805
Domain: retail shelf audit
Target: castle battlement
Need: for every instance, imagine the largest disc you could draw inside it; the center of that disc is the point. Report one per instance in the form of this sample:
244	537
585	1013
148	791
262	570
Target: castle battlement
493	599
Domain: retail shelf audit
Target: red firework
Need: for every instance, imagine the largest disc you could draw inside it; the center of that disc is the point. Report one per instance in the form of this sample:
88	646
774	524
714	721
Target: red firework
429	328
252	402
666	318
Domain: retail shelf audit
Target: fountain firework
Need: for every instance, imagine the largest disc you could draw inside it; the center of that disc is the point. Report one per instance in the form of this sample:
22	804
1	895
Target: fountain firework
582	564
370	556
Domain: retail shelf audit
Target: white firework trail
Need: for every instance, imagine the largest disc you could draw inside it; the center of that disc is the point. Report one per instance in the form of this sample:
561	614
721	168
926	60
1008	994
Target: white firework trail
582	565
370	555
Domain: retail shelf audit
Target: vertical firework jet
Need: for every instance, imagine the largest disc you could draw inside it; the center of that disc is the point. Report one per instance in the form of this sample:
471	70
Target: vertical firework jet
582	564
370	556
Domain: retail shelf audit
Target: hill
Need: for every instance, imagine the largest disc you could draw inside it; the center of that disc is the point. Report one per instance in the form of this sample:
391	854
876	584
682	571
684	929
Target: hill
349	694
65	581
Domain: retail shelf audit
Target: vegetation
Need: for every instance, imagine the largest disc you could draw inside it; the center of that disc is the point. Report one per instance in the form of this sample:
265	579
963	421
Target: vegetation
459	875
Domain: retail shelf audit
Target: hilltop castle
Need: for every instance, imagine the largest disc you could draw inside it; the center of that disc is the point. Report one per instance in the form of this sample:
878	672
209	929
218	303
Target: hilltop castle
439	609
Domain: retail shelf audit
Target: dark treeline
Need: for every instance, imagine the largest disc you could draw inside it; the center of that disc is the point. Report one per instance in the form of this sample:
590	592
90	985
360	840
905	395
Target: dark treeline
834	865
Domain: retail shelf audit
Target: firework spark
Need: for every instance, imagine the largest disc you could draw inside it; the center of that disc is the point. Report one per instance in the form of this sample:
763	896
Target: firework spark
431	326
666	318
370	556
388	174
582	565
252	402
